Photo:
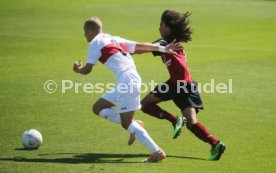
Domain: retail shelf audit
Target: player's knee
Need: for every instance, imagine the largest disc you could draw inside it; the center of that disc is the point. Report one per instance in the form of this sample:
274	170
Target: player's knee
144	107
95	109
190	121
189	124
124	125
190	116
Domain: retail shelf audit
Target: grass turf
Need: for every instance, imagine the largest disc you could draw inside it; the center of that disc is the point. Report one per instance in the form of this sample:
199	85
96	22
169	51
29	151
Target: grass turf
40	40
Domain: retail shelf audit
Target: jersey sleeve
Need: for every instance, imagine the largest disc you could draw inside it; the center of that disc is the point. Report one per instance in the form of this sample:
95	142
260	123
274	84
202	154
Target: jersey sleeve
130	45
94	53
160	42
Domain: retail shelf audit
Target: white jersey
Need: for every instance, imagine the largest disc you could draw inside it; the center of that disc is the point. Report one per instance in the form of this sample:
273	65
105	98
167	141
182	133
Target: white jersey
113	52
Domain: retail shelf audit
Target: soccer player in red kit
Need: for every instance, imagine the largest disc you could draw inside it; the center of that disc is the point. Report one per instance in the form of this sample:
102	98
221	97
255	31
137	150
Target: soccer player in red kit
182	89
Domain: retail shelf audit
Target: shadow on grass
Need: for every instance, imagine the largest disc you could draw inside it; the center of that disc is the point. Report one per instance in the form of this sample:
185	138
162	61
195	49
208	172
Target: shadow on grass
186	157
24	149
88	158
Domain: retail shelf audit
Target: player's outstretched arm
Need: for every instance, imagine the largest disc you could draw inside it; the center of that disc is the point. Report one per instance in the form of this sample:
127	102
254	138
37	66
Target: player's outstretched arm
78	68
149	47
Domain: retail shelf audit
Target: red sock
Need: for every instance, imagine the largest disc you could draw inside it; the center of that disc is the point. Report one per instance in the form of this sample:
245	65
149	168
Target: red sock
156	111
202	133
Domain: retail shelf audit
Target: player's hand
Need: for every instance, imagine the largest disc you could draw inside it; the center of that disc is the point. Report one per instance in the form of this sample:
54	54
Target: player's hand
77	65
173	47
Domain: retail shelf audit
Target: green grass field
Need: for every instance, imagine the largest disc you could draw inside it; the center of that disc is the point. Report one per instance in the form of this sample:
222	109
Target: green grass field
40	40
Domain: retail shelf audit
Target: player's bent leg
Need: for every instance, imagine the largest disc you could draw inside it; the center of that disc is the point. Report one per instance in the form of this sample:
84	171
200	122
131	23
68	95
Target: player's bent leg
150	99
101	104
142	136
150	107
103	108
203	134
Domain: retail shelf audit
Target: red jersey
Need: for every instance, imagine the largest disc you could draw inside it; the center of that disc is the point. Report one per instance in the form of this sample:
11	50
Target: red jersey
177	66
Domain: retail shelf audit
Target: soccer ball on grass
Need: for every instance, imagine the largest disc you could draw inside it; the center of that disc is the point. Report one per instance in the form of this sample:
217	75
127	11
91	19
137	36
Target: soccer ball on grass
31	139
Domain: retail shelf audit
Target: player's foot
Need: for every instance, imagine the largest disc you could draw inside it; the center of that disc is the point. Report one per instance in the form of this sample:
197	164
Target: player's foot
180	122
132	138
217	151
156	156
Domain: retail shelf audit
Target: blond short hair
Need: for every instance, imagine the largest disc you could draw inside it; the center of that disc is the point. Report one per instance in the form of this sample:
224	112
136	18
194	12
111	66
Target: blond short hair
94	23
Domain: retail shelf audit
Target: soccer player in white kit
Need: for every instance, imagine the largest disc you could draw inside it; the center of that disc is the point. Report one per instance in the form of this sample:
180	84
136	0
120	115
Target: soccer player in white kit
114	52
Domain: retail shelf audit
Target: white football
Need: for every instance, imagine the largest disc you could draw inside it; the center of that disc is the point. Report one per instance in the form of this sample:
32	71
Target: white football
31	139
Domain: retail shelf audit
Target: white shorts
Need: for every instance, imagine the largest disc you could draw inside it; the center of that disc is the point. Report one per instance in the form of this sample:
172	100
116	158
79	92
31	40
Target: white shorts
126	93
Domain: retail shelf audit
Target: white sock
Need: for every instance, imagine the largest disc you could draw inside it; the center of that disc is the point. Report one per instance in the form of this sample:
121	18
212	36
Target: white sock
142	136
111	115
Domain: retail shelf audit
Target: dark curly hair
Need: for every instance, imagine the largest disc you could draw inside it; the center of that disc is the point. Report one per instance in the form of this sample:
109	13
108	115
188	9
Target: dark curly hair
178	23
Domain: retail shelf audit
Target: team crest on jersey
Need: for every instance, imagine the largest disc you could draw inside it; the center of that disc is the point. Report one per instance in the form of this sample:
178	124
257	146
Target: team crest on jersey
114	42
